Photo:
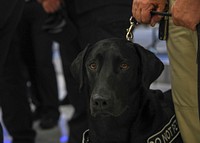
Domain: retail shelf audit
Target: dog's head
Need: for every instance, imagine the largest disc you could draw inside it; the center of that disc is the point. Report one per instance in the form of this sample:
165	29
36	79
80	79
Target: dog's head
112	70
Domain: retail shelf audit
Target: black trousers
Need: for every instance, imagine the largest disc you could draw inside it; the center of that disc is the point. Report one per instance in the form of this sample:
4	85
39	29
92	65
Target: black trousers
92	26
14	104
36	51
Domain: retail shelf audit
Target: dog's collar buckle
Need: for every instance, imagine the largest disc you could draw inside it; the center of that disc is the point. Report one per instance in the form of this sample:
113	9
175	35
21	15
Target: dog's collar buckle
86	138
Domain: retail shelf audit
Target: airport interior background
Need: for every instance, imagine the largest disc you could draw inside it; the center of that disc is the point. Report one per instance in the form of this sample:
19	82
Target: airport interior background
144	35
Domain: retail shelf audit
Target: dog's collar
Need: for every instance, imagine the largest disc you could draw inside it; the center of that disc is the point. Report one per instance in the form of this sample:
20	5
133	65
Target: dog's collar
86	138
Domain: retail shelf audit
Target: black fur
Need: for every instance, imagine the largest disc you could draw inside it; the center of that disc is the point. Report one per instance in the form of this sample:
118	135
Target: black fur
122	109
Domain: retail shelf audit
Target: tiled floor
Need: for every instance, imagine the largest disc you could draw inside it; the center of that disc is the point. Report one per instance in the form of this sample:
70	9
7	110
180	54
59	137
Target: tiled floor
59	134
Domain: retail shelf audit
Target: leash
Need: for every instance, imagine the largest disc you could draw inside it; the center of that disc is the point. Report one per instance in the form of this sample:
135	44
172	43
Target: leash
163	35
163	26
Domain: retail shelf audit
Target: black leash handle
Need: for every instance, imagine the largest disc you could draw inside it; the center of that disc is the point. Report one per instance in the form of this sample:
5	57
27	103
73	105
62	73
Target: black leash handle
163	24
161	13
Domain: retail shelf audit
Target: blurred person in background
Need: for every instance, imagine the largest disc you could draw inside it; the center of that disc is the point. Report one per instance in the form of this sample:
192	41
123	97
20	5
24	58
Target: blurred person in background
13	102
35	50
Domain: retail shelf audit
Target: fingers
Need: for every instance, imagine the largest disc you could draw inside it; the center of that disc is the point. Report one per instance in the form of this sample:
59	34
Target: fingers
155	19
185	13
179	20
141	11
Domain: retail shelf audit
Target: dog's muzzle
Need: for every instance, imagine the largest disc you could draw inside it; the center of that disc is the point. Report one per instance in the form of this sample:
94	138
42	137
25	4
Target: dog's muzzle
106	106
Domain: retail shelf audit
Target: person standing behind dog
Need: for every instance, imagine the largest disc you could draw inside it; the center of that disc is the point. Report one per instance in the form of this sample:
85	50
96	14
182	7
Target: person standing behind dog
69	49
36	54
15	107
182	47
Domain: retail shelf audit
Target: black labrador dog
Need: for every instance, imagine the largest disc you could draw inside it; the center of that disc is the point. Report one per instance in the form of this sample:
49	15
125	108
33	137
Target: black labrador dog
116	76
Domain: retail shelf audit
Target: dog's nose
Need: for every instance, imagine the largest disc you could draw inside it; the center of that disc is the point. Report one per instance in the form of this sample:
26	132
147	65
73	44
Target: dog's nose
100	103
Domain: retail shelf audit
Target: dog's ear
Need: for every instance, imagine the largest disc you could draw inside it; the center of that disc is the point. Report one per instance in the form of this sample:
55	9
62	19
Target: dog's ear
151	67
77	66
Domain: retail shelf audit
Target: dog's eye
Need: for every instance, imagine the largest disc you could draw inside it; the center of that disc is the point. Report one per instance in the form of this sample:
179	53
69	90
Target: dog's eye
124	66
93	66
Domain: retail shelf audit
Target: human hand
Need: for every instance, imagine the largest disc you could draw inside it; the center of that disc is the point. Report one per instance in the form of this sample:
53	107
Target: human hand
50	6
186	13
141	10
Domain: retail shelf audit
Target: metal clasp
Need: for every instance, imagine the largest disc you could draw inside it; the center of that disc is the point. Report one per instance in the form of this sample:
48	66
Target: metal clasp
129	34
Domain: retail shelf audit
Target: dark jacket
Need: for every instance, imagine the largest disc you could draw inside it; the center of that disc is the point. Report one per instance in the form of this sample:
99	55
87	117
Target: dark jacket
6	7
87	5
11	11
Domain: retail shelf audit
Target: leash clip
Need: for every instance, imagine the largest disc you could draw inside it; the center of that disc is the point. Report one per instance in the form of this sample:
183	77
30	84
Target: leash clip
129	34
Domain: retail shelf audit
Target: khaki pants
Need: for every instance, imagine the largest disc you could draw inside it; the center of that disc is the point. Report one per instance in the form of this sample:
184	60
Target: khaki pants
182	47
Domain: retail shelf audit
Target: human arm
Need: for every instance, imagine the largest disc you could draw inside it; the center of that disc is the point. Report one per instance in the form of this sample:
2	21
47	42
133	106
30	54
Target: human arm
141	10
186	13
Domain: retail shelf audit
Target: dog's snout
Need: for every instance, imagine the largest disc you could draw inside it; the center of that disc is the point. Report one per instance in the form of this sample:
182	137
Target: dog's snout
100	103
